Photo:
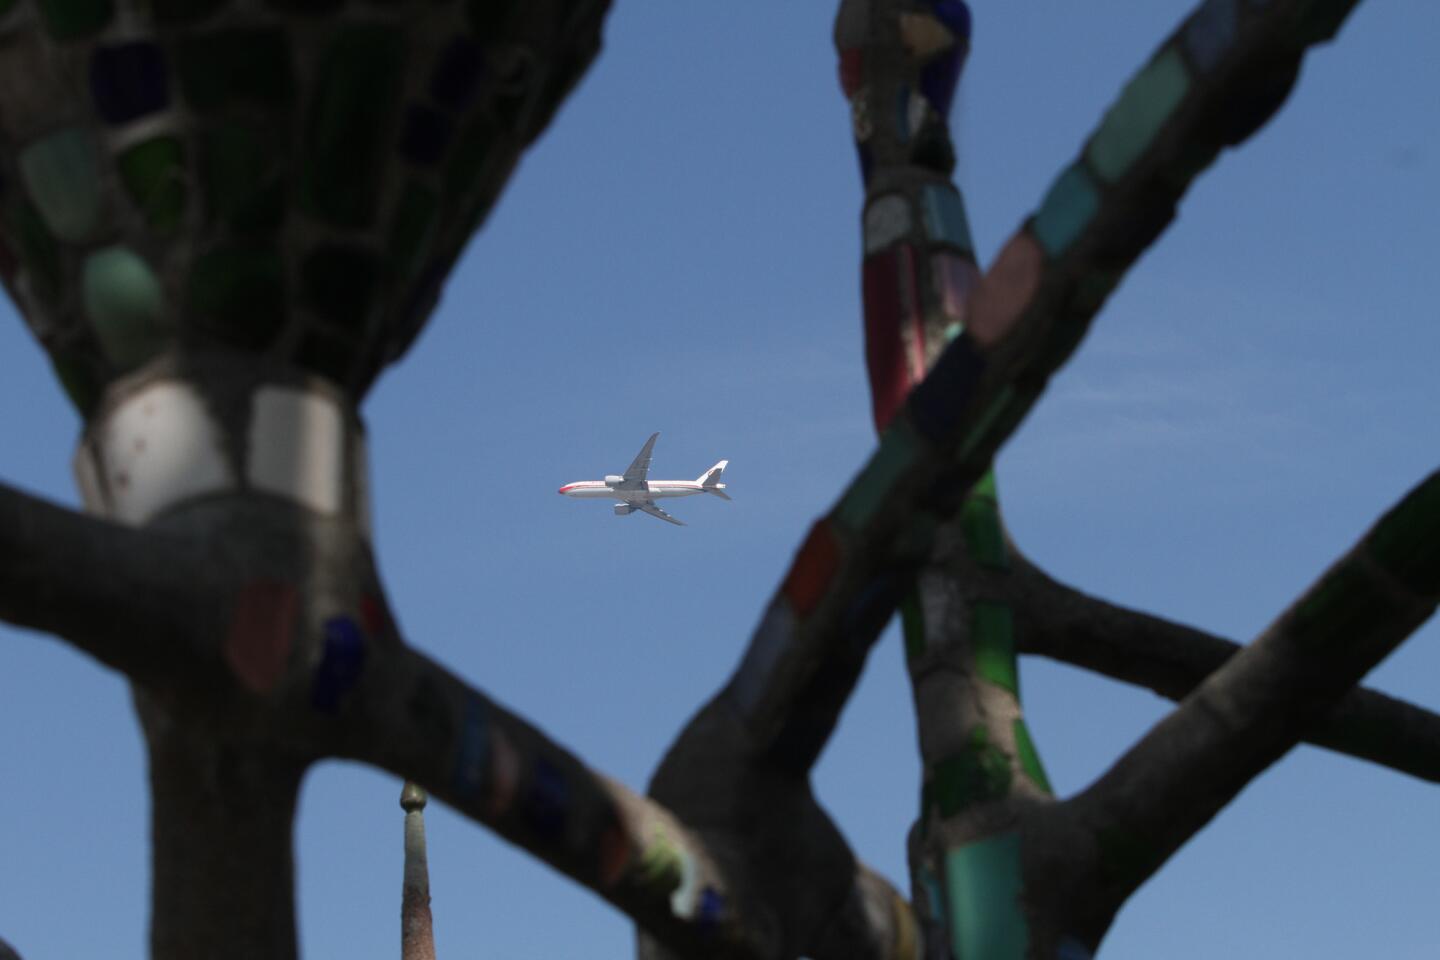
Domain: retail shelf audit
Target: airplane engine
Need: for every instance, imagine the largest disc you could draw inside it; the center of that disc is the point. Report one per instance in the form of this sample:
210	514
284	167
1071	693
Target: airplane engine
612	480
621	509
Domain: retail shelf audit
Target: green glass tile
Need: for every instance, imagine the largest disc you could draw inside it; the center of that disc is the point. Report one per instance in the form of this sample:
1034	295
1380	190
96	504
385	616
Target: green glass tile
154	174
1132	123
62	173
469	155
338	284
992	629
985	486
912	625
235	66
345	147
73	19
1406	541
412	230
984	537
38	252
991	416
183	11
125	305
978	774
983	884
238	294
241	177
82	385
1342	608
1066	210
898	450
945	218
1029	757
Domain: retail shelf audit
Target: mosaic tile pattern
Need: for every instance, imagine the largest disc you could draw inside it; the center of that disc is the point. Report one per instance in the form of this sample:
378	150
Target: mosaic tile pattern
294	180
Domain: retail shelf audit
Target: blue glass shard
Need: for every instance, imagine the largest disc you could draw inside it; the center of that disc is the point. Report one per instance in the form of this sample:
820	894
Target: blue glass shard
128	81
939	402
341	664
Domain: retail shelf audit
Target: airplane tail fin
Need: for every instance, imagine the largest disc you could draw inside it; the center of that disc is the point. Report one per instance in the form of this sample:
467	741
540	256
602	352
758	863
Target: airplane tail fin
710	480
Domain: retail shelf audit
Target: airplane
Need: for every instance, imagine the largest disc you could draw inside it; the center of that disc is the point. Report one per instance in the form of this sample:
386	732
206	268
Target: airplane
636	493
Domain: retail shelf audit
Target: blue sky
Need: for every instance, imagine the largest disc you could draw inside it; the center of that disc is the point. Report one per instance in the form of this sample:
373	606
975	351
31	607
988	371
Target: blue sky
680	253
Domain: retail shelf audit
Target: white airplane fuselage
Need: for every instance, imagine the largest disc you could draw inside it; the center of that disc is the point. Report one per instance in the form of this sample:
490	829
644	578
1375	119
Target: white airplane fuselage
646	490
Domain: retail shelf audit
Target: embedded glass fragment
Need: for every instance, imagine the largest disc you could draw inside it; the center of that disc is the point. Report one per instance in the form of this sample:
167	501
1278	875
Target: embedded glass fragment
814	565
243	178
1068	207
993	633
1210	32
1006	290
954	279
74	19
945	220
867	492
344	154
248	65
1132	123
939	403
457	74
125	305
238	293
894	337
128	81
153	172
769	642
984	884
887	219
62	174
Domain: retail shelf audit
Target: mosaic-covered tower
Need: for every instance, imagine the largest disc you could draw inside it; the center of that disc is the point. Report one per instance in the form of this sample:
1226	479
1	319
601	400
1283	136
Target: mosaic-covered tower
223	218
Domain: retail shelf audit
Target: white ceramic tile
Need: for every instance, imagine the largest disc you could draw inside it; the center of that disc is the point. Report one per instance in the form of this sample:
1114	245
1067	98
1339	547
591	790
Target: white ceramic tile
297	447
158	448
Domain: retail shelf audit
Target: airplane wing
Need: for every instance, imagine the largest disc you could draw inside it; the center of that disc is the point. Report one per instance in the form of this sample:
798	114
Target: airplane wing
649	507
635	473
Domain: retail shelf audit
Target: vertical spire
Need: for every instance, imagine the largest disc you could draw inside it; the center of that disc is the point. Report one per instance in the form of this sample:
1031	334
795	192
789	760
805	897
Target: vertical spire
417	938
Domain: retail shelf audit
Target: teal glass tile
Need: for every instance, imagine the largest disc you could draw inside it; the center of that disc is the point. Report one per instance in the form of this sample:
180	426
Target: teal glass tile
897	452
1067	210
945	219
984	884
250	66
346	137
74	19
992	631
153	173
1406	541
62	174
238	295
241	174
1132	123
125	305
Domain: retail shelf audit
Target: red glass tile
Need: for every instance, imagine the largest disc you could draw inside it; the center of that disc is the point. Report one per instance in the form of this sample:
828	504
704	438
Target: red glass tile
1007	289
262	625
955	279
894	335
851	70
813	569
